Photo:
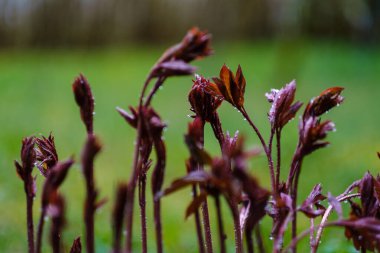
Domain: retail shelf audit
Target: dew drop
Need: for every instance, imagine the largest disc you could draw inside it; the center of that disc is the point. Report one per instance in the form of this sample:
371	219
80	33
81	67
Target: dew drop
93	113
271	238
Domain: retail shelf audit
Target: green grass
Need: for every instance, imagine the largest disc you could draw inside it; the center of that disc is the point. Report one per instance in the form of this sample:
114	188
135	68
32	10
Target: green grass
36	98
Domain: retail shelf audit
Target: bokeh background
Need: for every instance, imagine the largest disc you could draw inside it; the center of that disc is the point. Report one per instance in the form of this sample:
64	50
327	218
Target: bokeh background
44	44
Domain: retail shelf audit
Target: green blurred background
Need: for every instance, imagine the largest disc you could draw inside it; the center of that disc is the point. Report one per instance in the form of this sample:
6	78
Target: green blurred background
45	44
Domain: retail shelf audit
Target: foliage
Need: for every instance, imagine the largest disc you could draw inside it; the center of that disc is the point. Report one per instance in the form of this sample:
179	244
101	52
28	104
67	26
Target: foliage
223	176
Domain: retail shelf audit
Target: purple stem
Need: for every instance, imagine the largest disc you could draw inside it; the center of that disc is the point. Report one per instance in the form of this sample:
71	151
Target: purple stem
294	204
158	225
29	213
312	229
340	198
237	227
198	225
131	189
259	238
129	217
142	203
278	167
249	241
222	235
89	214
266	150
153	91
206	226
40	230
204	208
270	146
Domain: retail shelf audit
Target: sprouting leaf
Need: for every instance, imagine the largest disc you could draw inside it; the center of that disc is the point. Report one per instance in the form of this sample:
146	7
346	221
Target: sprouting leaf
328	99
195	204
85	101
229	87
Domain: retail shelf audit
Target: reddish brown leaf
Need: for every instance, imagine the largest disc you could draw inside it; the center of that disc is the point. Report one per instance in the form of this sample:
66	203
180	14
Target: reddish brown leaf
328	99
195	204
85	101
282	109
77	246
193	177
46	154
202	103
195	45
228	87
173	68
313	199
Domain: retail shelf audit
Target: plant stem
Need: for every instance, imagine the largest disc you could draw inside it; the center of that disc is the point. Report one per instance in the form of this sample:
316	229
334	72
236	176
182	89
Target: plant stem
206	226
158	225
198	225
153	91
249	241
266	150
312	231
222	235
131	188
145	86
29	213
292	185
142	202
325	217
270	145
278	167
294	204
237	228
204	208
40	230
129	218
217	129
89	215
259	238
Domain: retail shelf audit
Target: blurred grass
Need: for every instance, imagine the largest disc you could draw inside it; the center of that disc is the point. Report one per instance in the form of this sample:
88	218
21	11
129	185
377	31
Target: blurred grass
36	98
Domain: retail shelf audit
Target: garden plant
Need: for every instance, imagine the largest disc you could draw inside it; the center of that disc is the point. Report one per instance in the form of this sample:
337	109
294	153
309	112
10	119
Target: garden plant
210	179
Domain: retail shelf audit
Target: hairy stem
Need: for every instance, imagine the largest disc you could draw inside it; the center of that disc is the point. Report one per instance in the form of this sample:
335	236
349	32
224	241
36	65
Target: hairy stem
259	238
249	241
142	203
237	228
294	206
325	217
312	230
278	166
222	235
40	230
89	215
131	189
29	215
153	91
270	145
204	209
158	225
266	149
129	218
198	225
206	226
